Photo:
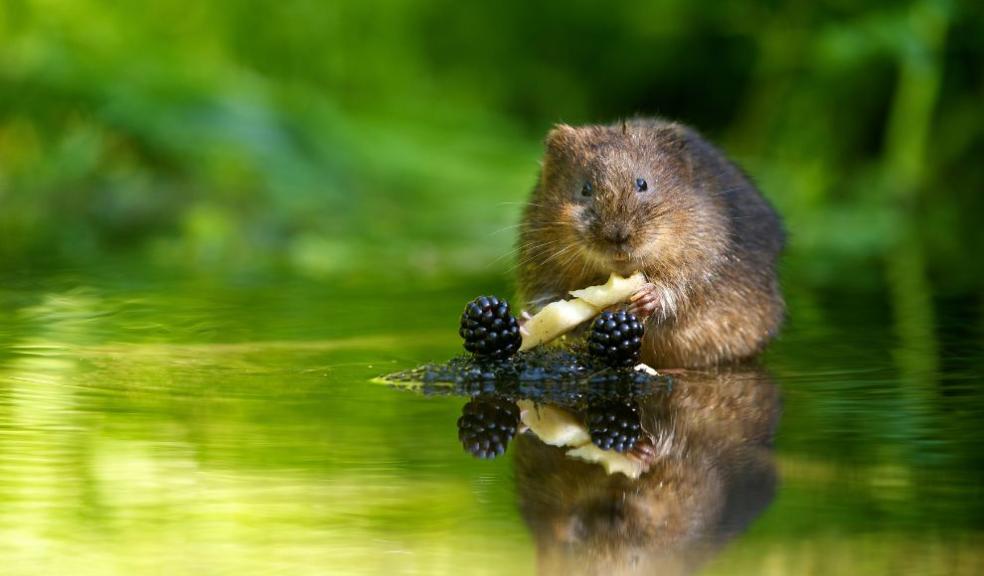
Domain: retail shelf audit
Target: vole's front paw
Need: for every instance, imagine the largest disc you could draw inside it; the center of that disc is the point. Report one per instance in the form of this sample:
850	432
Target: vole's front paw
646	301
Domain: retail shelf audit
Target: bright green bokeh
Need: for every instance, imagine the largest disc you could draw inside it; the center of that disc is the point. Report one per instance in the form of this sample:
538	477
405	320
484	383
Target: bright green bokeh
332	137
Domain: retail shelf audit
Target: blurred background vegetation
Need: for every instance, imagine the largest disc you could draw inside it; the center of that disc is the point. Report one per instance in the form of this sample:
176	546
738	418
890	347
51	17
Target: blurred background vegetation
401	137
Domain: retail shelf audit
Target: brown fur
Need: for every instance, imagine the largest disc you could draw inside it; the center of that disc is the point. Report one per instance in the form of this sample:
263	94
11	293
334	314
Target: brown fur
711	473
706	239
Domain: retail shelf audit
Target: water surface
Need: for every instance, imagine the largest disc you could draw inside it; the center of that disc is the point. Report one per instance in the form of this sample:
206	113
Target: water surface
199	425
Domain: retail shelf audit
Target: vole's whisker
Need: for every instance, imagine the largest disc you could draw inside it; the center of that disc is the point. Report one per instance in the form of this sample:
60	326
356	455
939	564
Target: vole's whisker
535	254
505	228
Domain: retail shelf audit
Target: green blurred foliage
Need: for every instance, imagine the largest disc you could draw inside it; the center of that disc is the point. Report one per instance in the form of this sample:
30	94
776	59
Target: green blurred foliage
343	137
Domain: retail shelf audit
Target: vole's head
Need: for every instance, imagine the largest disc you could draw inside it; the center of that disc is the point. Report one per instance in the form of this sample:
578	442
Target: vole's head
625	195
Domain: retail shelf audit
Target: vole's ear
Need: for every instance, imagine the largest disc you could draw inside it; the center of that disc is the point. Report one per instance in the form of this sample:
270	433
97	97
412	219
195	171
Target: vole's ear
560	138
677	143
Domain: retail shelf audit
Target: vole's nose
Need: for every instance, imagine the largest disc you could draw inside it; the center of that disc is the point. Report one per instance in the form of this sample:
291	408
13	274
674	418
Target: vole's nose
617	235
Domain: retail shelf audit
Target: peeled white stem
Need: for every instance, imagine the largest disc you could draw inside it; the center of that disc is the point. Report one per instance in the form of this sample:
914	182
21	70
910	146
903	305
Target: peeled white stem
562	316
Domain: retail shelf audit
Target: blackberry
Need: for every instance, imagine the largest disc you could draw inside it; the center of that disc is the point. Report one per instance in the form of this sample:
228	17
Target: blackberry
616	338
487	425
614	425
489	329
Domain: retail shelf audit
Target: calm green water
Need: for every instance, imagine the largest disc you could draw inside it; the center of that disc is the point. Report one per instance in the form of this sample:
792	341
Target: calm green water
160	425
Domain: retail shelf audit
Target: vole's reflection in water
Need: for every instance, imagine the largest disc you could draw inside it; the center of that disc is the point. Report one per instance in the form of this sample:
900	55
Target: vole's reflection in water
710	473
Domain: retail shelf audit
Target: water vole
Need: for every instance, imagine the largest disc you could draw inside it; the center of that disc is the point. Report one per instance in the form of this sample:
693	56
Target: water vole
654	196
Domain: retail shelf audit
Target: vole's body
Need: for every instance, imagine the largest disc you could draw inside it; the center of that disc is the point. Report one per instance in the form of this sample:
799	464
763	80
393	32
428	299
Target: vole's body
654	196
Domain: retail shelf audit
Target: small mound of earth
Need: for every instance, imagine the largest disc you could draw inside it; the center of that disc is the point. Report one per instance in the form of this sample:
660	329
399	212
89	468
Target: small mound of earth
556	375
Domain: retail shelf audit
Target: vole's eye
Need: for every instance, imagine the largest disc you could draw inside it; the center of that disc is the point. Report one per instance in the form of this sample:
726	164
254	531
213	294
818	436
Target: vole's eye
587	190
641	184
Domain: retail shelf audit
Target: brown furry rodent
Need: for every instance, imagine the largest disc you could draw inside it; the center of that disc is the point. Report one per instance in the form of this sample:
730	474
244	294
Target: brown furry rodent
710	473
654	196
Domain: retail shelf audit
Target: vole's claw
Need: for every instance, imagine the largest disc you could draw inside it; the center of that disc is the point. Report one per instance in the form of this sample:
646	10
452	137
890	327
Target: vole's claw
643	451
645	302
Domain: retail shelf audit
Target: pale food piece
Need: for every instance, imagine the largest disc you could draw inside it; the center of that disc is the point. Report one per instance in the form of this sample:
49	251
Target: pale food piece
551	425
610	460
562	316
617	289
556	319
558	427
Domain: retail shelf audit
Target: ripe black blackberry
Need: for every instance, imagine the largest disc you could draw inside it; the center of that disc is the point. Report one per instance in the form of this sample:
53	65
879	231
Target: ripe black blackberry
489	329
616	338
487	425
614	425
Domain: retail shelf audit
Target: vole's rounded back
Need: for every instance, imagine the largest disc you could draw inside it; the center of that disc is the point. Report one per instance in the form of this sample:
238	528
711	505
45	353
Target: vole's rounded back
655	196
